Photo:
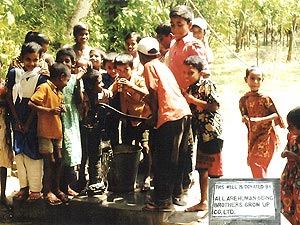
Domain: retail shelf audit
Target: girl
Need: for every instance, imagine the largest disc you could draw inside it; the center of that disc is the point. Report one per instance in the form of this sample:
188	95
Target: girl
71	151
81	35
289	187
259	114
24	121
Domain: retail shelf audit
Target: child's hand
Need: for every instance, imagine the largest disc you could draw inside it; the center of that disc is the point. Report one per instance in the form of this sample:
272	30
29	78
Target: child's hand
56	110
291	156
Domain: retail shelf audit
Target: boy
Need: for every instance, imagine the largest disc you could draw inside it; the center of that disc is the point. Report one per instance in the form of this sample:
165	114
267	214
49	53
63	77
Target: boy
108	64
132	90
164	37
199	29
171	117
183	44
47	101
203	99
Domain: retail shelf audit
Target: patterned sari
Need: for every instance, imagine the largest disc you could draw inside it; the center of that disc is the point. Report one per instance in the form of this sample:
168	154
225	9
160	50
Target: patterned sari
262	138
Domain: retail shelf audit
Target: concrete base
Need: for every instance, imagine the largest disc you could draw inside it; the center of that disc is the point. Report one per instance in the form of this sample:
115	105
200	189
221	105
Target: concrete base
106	209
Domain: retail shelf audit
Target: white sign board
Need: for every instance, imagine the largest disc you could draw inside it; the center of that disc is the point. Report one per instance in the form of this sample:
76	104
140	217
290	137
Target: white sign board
244	199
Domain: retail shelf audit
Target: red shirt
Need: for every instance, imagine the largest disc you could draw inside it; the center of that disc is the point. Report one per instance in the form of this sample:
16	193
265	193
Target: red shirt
179	51
171	103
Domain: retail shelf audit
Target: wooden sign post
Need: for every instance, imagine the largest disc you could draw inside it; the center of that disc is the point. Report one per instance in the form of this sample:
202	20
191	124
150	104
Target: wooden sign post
244	201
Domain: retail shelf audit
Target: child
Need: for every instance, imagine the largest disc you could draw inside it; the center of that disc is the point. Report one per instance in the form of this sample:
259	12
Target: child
203	99
96	55
289	187
170	117
199	29
259	114
6	153
131	41
111	74
164	37
81	35
92	124
132	91
45	59
24	121
34	36
71	151
183	44
48	102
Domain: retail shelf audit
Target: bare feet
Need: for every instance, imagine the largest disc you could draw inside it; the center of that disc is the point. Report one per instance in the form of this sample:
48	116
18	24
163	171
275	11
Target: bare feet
52	199
199	207
71	192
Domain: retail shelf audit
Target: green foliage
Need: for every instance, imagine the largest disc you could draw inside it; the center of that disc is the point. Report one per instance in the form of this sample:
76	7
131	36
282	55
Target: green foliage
111	20
119	18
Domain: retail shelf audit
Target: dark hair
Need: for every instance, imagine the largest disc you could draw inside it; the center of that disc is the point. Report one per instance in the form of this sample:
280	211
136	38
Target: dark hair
293	117
59	69
66	51
31	47
124	59
89	80
253	68
164	28
182	11
78	28
133	35
100	50
37	37
194	61
109	57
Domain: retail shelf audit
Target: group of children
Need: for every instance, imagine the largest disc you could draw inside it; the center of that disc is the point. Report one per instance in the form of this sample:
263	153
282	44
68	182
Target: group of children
54	113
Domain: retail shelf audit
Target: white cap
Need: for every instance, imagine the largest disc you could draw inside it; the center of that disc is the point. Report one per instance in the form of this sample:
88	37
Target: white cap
148	46
200	23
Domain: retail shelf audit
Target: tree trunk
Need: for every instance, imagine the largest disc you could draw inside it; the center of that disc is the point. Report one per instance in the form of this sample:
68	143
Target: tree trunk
82	9
291	39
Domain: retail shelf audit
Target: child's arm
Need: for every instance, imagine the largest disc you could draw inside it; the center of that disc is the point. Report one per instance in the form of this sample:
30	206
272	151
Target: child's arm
133	86
79	96
291	156
201	105
53	111
13	110
28	122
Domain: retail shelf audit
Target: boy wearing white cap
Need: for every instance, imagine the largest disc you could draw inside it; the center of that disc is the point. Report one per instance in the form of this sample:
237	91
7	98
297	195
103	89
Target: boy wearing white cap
171	118
199	29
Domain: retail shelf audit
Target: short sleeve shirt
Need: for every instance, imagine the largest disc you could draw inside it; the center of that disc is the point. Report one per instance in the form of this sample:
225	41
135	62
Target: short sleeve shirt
49	125
179	51
172	105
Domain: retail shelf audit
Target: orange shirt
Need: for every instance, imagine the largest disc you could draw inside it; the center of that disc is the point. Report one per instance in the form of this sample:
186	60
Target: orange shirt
171	103
179	51
49	125
131	101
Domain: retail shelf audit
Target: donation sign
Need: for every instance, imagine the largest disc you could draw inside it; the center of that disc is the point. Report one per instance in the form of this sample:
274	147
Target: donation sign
244	199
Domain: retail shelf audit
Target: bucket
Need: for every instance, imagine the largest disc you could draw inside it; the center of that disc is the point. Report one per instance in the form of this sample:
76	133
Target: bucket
124	168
